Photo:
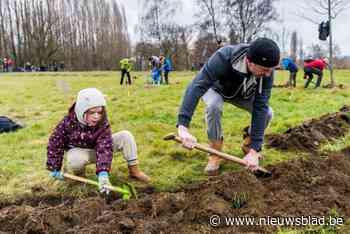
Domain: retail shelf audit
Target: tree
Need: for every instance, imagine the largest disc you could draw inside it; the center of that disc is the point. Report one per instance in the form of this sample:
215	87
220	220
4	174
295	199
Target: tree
293	46
186	34
209	15
80	33
204	47
321	51
301	51
175	44
144	50
317	51
281	36
156	15
247	18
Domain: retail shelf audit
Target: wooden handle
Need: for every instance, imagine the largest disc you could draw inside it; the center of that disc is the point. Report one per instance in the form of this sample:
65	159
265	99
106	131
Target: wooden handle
207	149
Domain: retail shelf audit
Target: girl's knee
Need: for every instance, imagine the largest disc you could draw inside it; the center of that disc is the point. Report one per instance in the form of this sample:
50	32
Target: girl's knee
76	164
78	158
123	136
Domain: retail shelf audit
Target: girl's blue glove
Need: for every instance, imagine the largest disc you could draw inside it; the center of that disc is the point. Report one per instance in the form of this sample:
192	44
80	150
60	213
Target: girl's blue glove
58	175
103	180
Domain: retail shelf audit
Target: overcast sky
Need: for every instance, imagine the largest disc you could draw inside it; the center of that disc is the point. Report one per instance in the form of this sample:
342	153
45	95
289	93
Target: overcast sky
288	11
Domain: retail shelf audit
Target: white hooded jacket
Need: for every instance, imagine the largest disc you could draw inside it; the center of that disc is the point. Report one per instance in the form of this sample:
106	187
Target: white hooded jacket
86	99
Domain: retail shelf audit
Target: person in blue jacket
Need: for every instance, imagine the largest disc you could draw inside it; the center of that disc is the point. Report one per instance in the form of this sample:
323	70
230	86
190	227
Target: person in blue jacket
155	70
288	64
166	67
241	75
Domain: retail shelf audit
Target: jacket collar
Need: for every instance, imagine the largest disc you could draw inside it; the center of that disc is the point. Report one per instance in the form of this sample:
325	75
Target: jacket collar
240	64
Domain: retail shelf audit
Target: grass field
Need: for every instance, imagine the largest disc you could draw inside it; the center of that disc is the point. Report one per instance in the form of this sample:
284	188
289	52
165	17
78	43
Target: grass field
40	100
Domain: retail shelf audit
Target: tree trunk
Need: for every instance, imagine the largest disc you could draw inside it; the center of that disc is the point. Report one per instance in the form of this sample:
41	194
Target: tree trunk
12	36
330	45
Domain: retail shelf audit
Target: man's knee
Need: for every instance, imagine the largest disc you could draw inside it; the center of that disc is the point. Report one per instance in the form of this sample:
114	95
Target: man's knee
214	110
213	119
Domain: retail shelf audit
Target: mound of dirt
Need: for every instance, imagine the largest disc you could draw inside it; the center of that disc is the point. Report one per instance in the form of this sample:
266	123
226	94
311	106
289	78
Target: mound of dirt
309	136
297	188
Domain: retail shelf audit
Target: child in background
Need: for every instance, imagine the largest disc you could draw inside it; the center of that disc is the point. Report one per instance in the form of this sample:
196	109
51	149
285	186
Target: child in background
155	70
85	135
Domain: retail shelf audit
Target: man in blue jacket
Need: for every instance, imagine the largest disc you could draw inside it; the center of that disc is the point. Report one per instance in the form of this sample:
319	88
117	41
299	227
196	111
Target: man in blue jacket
289	65
241	75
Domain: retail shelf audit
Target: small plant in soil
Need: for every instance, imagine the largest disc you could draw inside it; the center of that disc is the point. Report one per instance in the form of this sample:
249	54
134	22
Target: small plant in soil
240	199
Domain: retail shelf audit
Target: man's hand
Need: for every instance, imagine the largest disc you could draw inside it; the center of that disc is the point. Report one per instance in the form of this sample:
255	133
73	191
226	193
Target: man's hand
252	160
188	141
103	180
58	175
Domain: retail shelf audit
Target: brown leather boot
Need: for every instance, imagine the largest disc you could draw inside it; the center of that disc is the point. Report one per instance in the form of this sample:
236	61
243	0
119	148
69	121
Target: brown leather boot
213	166
136	173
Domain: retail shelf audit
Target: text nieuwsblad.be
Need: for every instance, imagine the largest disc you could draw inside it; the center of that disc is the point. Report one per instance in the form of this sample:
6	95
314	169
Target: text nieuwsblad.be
216	220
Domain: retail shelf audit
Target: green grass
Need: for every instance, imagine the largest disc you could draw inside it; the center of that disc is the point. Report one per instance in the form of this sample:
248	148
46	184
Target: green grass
40	100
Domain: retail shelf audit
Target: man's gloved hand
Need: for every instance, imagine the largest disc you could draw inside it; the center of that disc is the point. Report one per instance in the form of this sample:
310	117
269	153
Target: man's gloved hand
252	160
188	141
103	180
58	175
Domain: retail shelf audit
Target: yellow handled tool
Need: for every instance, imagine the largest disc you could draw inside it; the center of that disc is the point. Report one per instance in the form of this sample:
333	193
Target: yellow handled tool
126	190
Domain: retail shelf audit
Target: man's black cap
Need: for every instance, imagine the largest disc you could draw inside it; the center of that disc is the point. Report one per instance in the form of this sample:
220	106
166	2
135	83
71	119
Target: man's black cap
264	52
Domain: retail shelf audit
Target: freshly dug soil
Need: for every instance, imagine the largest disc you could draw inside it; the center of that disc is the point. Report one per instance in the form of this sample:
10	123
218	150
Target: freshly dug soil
311	134
297	188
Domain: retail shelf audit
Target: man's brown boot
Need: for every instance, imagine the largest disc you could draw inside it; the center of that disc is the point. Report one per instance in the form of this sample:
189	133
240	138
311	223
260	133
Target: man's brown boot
213	166
136	173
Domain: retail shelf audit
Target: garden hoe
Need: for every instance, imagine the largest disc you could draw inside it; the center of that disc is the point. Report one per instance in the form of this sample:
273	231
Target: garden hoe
260	172
126	190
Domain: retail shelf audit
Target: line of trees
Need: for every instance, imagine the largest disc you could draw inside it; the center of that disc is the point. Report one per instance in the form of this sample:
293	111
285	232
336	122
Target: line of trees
93	34
82	34
217	21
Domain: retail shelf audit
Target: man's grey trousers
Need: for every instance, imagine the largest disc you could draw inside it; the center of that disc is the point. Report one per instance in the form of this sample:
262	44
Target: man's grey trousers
214	105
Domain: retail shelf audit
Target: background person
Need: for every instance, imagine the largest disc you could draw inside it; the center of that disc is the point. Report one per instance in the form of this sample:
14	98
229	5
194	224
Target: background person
125	66
314	67
289	65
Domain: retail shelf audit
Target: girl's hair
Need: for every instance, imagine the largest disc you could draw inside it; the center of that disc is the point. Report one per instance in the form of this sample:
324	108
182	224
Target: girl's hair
104	116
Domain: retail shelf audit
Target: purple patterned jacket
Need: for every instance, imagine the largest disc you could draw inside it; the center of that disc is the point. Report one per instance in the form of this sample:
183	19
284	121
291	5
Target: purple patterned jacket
69	133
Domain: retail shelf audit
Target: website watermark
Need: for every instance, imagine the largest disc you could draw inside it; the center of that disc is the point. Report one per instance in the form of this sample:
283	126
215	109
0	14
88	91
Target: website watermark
217	220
